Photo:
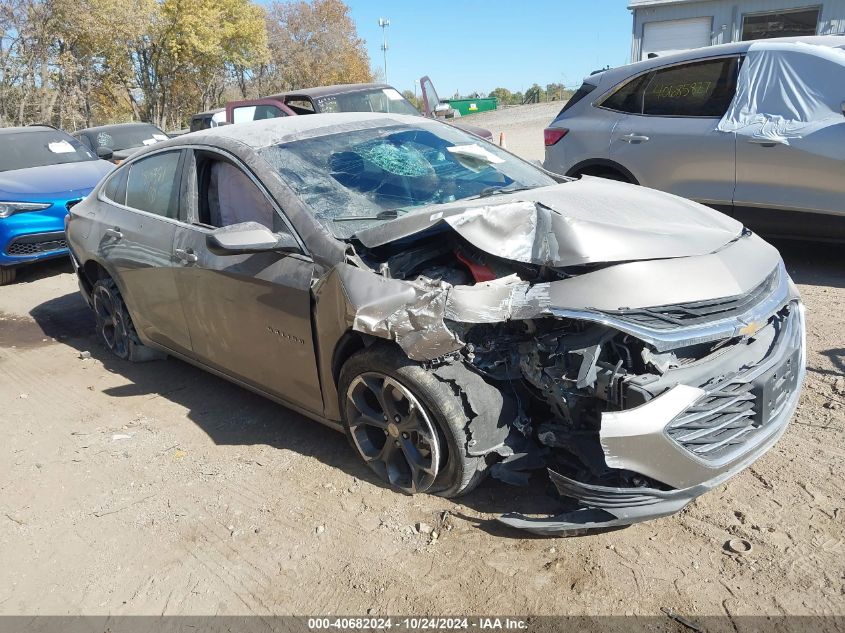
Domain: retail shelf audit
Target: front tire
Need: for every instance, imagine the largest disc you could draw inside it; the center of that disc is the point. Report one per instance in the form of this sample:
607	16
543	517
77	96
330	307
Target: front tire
114	325
407	425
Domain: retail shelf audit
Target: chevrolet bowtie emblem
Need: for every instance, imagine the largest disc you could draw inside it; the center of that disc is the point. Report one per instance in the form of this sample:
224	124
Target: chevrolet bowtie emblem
750	328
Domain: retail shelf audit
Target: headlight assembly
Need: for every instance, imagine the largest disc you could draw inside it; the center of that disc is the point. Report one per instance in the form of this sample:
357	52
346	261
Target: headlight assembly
10	208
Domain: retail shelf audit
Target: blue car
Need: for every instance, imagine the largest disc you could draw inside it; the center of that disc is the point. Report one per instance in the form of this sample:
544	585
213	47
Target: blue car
43	172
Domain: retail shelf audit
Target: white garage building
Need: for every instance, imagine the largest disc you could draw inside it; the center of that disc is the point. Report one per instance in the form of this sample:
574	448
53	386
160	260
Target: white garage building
661	26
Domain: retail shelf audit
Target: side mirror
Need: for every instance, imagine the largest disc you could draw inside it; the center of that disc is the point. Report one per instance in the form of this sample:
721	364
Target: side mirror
247	238
104	153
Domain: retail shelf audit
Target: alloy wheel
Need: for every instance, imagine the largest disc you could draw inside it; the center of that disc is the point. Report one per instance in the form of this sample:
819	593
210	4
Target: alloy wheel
110	323
392	432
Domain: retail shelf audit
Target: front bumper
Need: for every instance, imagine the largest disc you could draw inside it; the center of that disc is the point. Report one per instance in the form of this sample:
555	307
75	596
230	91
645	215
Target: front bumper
646	440
33	236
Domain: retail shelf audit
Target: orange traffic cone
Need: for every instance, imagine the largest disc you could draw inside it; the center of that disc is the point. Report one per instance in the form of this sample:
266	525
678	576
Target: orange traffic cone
502	143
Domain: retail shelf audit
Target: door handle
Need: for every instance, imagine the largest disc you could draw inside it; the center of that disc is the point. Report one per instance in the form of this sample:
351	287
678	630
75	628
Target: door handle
634	138
762	142
186	255
114	233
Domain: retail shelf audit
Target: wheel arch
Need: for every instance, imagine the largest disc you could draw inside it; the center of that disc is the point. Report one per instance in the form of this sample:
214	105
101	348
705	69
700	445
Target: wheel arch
350	343
94	269
598	165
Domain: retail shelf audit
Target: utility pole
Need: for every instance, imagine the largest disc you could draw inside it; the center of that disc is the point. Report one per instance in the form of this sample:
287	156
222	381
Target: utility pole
384	23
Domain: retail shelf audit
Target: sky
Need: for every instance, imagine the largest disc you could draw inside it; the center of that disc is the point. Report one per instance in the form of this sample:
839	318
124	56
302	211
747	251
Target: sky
472	46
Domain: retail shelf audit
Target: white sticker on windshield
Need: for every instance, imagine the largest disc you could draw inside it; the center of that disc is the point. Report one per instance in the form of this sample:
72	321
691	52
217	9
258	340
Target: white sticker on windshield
149	141
61	147
392	94
160	137
475	151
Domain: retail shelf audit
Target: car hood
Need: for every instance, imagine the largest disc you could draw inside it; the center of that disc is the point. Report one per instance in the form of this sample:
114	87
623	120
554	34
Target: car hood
589	221
123	154
53	180
472	129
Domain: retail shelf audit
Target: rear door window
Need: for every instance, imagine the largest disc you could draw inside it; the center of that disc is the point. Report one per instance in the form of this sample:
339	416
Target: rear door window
266	111
153	184
300	105
700	89
242	114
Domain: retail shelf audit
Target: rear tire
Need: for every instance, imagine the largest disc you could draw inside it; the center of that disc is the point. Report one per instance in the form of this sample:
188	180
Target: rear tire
114	325
383	374
7	275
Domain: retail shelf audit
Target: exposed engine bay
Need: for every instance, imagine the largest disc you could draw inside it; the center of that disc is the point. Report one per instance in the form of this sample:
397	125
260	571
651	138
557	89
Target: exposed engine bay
559	376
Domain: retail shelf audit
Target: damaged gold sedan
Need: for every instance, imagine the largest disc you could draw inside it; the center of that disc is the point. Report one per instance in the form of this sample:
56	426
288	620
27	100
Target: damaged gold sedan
457	311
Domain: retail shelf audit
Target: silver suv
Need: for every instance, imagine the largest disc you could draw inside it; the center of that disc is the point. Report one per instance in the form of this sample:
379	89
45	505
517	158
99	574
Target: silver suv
753	129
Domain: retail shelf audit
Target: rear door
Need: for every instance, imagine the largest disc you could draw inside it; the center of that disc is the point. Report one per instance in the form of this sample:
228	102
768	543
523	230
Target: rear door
780	183
672	143
249	315
137	230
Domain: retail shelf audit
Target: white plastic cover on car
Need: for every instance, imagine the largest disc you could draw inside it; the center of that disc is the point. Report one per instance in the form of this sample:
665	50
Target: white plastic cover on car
787	90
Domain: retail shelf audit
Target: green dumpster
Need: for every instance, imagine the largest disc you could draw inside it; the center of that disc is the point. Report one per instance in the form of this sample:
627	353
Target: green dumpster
472	106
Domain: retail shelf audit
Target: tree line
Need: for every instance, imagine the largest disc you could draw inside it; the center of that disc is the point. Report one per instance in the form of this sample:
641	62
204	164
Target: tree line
535	94
78	63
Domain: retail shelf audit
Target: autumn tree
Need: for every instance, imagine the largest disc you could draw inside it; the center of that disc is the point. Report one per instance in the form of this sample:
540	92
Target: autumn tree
25	55
78	63
312	44
94	75
183	60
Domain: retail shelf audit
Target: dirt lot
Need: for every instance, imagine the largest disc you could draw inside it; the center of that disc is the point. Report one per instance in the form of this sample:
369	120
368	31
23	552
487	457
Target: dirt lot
160	489
522	126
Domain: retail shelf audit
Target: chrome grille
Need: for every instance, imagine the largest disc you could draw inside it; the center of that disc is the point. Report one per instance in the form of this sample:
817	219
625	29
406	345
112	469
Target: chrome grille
668	317
738	408
718	422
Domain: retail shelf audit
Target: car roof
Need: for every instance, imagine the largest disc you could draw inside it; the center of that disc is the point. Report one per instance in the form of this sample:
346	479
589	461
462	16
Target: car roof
835	41
30	128
267	132
115	127
208	112
324	91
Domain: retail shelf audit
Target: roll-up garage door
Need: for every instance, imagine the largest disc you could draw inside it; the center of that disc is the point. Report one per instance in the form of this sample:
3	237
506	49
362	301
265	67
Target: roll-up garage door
675	35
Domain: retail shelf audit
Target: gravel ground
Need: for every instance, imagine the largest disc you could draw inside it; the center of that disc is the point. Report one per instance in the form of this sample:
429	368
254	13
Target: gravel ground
160	489
521	125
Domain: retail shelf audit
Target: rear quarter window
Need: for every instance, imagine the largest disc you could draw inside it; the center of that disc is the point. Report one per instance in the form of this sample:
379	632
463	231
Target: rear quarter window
582	92
115	187
629	97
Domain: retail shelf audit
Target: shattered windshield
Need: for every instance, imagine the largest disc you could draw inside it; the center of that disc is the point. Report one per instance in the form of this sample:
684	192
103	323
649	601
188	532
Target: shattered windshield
357	179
